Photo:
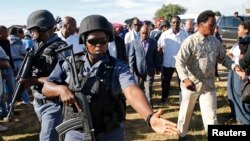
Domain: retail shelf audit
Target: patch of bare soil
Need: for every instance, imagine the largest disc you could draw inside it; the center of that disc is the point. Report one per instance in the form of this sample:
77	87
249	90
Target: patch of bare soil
24	126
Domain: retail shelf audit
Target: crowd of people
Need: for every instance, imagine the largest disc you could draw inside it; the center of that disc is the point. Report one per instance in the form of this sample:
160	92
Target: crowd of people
117	64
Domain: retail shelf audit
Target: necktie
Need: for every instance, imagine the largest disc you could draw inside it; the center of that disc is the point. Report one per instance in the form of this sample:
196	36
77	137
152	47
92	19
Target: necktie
144	44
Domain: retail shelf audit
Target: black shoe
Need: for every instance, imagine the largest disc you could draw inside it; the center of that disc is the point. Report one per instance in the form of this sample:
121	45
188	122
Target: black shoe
152	104
231	116
183	138
17	113
163	102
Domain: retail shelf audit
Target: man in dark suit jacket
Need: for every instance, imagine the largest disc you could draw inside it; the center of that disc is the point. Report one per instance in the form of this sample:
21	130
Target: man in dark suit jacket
120	48
117	47
144	61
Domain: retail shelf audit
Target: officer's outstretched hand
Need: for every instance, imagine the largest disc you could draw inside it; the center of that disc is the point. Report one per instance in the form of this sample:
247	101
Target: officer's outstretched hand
163	126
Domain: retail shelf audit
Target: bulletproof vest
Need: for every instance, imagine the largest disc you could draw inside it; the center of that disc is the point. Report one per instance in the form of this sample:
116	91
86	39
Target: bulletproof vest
107	110
46	60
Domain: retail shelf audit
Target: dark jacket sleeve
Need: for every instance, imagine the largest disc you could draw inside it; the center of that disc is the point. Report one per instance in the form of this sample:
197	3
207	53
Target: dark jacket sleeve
121	50
156	56
132	57
245	61
6	47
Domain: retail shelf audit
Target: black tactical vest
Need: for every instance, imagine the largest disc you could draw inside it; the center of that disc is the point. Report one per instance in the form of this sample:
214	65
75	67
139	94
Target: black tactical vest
45	61
107	110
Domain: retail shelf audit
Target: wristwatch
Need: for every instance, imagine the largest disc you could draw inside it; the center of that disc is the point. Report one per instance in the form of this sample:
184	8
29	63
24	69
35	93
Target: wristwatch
148	119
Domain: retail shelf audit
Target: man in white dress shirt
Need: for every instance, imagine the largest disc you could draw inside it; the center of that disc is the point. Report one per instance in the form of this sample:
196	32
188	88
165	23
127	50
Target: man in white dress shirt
68	34
132	34
169	45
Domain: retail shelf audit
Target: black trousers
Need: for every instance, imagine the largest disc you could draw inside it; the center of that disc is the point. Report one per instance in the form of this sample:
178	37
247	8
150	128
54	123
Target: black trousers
167	74
216	70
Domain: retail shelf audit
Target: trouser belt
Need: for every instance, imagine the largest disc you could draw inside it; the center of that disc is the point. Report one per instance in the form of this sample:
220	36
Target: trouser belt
46	100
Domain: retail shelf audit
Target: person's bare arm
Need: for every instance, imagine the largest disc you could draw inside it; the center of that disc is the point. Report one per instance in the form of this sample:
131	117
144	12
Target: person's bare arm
51	89
32	81
138	101
4	64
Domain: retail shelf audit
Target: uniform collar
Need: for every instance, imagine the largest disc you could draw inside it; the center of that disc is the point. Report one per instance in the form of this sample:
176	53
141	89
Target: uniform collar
52	38
92	70
105	59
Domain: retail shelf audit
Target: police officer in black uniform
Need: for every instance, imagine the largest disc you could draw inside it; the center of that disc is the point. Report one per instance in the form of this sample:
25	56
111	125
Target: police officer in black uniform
49	111
103	86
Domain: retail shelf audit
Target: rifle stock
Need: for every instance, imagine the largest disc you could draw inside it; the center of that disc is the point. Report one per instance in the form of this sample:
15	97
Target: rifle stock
84	120
22	74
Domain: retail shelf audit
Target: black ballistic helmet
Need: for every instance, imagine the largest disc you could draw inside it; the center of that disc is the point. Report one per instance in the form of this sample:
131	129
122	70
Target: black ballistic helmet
94	23
42	19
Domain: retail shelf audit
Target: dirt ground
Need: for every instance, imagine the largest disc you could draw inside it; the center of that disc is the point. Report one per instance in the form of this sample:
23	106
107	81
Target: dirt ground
24	124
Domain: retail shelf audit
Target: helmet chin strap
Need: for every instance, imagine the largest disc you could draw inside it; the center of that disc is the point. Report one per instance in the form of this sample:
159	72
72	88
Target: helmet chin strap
40	33
39	40
95	57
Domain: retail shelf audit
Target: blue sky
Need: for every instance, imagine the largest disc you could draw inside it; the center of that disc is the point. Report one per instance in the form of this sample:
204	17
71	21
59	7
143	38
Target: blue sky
17	11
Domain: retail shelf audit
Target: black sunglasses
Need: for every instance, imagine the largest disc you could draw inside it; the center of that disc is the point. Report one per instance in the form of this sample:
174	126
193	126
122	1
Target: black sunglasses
95	41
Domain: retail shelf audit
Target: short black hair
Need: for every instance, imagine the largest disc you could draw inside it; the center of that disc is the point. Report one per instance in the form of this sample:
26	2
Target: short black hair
203	16
20	31
13	31
176	17
148	23
246	25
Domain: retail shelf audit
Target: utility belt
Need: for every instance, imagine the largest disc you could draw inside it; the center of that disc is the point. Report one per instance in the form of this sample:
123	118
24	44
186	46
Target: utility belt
41	102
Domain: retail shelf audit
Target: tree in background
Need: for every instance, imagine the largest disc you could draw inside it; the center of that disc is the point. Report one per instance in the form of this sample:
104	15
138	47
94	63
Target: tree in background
248	10
166	11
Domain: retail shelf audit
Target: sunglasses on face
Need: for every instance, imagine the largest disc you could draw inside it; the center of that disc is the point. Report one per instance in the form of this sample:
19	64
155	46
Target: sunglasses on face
95	41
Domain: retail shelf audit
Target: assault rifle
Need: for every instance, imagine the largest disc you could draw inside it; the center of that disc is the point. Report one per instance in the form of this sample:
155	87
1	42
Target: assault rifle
84	120
22	74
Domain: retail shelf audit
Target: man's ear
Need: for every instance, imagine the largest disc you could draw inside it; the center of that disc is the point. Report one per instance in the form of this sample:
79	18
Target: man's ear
246	31
66	26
